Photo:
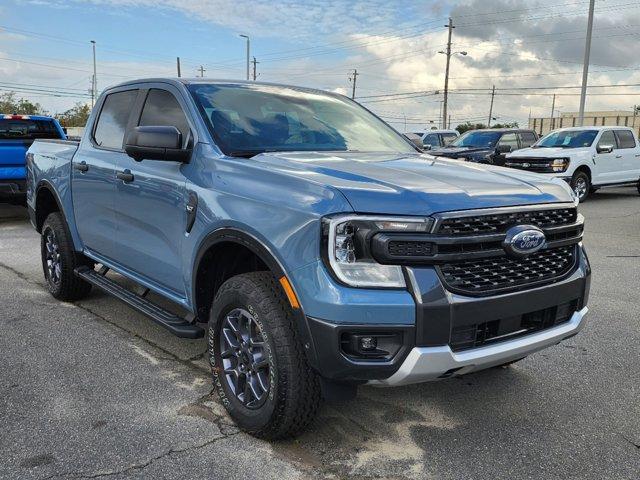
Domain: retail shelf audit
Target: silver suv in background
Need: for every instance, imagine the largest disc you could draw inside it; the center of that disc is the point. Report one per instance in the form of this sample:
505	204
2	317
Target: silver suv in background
432	139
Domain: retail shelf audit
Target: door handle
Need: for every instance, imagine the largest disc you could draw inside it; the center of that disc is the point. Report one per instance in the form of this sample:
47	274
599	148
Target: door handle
126	176
82	166
618	156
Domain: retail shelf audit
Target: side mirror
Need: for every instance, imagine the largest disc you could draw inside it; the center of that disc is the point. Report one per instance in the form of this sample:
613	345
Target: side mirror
604	148
156	143
427	146
504	149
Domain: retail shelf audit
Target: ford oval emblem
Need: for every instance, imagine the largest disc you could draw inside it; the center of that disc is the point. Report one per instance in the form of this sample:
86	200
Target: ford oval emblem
524	240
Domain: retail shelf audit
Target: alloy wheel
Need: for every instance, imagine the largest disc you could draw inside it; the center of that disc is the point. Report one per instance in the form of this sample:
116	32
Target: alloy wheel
52	257
244	358
580	187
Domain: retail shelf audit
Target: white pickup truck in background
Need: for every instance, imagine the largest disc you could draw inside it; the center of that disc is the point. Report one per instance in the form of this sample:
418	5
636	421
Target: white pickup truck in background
587	157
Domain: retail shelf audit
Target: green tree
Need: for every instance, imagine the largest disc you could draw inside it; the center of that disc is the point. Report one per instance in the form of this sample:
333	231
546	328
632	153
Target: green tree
464	127
76	116
9	103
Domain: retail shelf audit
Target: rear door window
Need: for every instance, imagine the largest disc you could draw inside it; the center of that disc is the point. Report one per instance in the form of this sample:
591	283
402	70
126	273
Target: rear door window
625	139
114	116
27	129
161	109
447	138
527	139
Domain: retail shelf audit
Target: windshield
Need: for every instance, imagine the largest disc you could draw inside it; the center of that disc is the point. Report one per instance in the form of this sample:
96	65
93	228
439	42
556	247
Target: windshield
27	129
567	139
477	139
249	119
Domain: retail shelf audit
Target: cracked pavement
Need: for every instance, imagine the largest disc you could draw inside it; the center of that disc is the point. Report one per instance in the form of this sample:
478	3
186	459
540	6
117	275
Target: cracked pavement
95	390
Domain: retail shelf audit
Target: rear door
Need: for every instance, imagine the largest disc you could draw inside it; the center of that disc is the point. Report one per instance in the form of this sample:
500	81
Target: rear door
628	148
94	173
447	138
151	206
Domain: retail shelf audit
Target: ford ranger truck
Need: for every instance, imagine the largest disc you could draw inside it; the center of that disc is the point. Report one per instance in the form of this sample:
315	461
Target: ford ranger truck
17	133
588	158
313	246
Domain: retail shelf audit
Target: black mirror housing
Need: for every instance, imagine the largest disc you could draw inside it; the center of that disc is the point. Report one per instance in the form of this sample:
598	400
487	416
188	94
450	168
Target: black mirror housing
162	143
504	149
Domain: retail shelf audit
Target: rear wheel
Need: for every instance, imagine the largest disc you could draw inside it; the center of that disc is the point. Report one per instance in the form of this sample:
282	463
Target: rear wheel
258	363
581	185
59	260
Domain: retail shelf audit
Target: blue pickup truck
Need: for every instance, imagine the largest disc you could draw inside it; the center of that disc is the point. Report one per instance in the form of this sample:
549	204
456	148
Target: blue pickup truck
17	133
313	245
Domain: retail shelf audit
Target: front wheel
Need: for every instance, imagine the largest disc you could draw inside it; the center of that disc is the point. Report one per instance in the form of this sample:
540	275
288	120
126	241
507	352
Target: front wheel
581	185
258	363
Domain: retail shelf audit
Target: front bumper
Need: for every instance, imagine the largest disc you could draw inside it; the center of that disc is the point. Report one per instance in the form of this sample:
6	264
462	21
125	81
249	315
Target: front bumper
431	363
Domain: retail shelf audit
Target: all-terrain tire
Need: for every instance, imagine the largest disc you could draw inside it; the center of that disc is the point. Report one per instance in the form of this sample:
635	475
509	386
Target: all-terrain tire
56	245
293	396
581	184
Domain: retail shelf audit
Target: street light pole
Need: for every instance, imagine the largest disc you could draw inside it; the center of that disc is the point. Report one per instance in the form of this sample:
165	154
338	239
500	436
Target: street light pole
446	74
94	82
248	54
585	67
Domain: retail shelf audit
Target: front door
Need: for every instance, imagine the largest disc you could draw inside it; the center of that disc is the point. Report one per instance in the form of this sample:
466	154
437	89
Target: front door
93	174
151	203
608	166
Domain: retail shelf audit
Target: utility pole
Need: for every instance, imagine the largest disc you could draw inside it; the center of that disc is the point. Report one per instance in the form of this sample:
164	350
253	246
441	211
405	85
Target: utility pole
254	68
201	70
585	67
446	73
553	109
94	80
449	126
493	94
352	78
635	114
248	52
178	65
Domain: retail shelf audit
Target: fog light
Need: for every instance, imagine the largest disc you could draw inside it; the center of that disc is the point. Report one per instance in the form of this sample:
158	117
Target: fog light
368	343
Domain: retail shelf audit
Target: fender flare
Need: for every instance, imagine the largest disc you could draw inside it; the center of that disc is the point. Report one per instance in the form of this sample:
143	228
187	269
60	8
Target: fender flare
264	253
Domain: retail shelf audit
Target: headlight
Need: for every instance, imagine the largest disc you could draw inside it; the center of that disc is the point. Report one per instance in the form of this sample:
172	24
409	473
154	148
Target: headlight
347	240
560	164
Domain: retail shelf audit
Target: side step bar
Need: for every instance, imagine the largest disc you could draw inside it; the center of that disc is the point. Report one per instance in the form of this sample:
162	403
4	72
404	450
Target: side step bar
176	325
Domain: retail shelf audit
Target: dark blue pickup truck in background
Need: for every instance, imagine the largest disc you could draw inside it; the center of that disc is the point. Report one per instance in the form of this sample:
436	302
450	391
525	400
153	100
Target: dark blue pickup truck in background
17	133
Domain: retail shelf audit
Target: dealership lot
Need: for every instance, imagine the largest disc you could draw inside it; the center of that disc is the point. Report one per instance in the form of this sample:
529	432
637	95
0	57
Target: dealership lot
97	390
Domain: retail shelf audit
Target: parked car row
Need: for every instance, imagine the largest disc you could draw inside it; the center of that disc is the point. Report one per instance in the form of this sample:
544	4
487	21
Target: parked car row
588	158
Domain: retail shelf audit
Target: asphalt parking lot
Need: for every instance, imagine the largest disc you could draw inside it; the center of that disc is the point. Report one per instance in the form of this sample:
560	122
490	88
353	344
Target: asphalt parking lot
93	390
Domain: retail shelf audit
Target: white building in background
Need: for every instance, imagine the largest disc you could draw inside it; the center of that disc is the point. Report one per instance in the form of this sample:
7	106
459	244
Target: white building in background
570	119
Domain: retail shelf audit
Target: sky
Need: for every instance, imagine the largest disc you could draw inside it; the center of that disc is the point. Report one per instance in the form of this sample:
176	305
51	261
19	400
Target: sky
528	49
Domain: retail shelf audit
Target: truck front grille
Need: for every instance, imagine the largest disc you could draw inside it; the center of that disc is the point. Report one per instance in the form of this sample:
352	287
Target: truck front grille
498	274
501	222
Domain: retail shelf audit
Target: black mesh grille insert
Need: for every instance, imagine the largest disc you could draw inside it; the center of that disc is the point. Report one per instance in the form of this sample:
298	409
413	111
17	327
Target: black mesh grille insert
504	273
477	335
398	248
500	223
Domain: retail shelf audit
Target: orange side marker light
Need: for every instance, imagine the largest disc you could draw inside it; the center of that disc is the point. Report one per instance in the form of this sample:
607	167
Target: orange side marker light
293	300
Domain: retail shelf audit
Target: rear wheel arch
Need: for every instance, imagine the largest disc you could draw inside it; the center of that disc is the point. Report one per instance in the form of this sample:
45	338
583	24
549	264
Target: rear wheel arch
47	202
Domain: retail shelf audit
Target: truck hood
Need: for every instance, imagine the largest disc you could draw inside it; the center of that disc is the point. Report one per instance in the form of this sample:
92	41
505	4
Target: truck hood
547	152
455	152
416	184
